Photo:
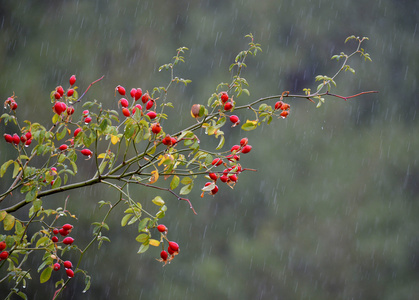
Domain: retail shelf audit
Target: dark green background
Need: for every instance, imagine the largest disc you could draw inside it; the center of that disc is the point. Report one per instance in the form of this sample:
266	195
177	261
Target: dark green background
331	212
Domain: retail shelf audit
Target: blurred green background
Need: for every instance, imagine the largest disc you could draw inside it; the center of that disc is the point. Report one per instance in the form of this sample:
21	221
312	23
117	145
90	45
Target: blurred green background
332	212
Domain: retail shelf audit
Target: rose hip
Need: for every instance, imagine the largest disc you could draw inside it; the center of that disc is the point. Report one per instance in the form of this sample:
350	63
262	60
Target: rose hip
72	79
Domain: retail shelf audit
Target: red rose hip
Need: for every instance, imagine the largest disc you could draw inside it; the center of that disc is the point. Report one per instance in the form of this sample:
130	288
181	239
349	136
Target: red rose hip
77	131
246	149
156	128
224	97
126	112
86	152
69	272
4	255
63	147
152	115
164	255
68	240
2	245
138	94
8	138
67	264
121	90
234	119
67	227
16	139
162	228
57	266
72	79
174	246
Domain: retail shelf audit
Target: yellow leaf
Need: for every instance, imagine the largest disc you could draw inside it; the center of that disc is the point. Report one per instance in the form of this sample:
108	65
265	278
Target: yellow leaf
167	158
8	222
254	122
154	176
154	243
3	215
102	155
114	139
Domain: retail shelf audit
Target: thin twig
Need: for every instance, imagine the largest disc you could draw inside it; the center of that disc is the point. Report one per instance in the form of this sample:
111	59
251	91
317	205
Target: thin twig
97	80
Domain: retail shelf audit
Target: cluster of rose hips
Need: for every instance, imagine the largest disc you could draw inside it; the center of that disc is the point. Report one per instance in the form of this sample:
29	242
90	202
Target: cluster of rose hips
137	94
230	174
172	248
228	105
85	152
3	254
285	107
61	107
11	103
67	265
63	231
25	139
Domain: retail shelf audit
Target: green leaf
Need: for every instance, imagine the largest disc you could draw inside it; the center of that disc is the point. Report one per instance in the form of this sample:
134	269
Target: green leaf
55	118
22	295
31	195
37	204
186	180
8	222
102	167
143	248
208	159
175	182
4	167
87	282
158	201
16	169
186	189
125	219
61	134
73	164
246	91
57	182
160	214
103	124
350	38
221	143
134	219
142	238
46	274
143	224
249	125
3	215
42	241
61	158
19	228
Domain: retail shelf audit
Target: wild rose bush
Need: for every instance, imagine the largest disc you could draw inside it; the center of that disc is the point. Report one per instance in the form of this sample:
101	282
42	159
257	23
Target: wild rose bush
140	150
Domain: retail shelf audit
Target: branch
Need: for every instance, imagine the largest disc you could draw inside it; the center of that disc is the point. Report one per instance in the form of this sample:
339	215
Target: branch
356	95
97	80
54	191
